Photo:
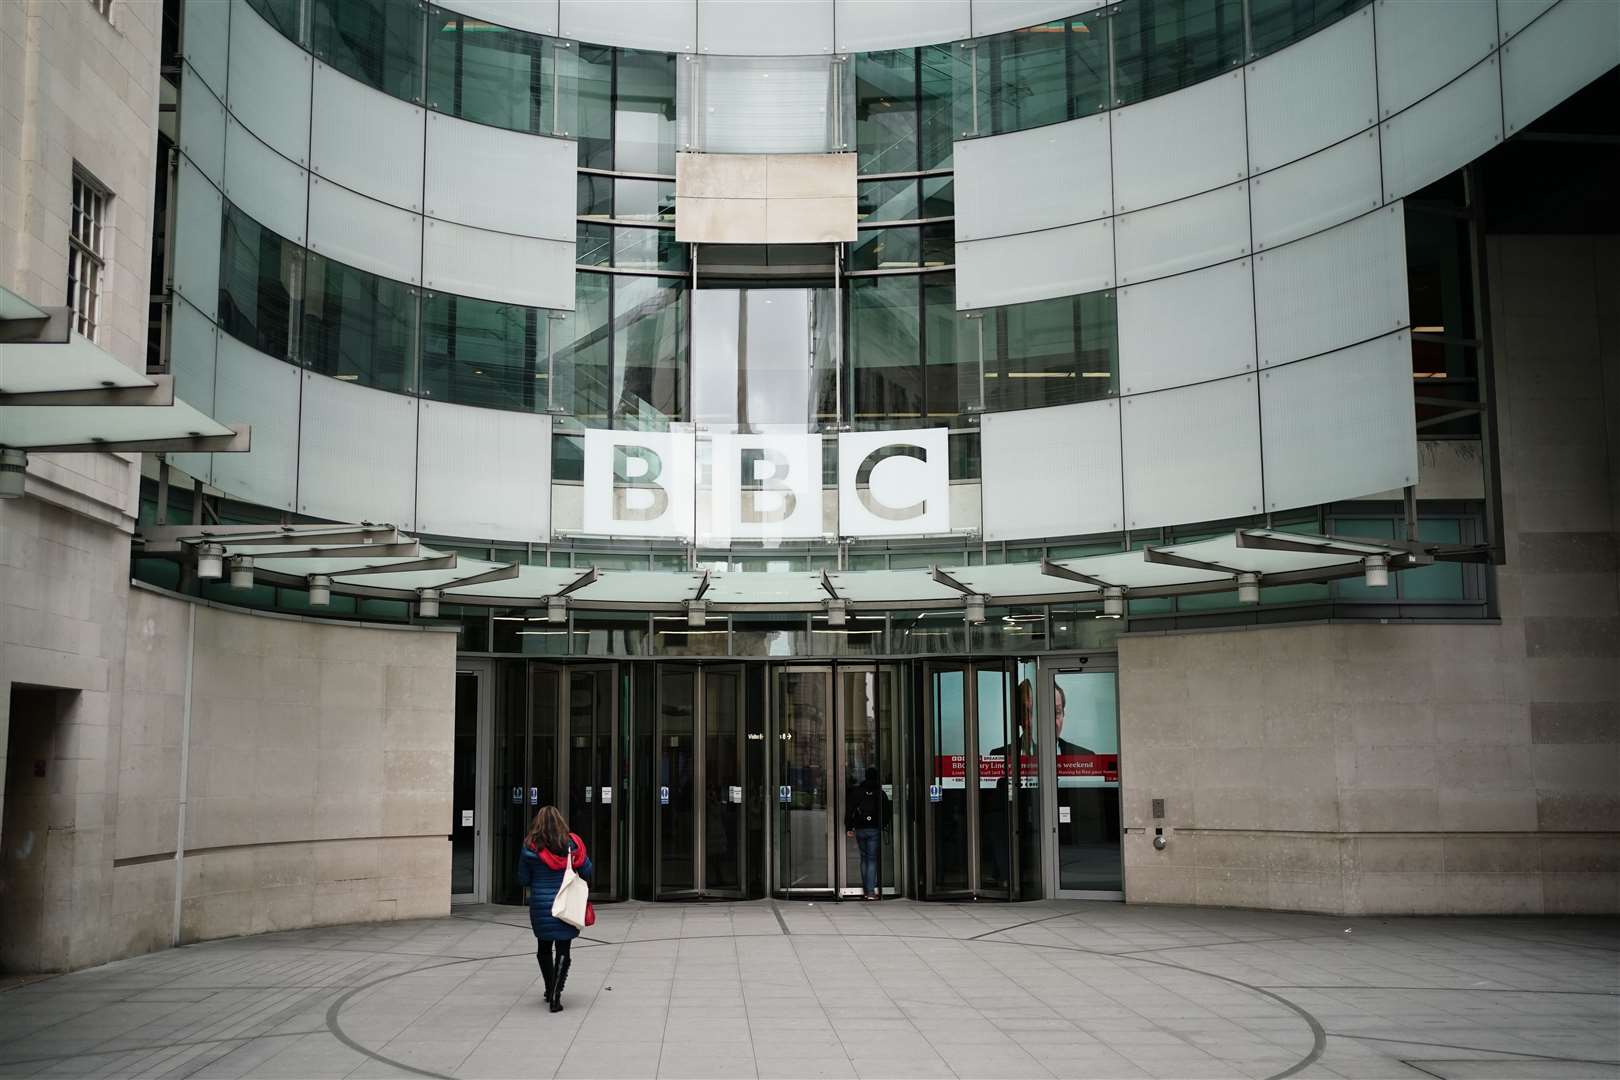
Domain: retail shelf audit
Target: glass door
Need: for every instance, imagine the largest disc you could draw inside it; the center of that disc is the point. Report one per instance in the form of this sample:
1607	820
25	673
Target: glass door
1084	709
994	766
971	807
946	811
524	766
867	752
700	781
804	780
592	765
464	816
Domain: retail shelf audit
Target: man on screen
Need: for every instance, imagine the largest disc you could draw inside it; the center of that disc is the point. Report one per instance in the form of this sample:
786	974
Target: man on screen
1026	726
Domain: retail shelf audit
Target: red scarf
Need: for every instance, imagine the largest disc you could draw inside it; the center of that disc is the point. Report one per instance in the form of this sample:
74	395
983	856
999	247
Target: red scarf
552	859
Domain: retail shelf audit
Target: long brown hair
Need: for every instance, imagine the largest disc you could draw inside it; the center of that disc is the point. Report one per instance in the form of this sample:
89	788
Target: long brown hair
548	831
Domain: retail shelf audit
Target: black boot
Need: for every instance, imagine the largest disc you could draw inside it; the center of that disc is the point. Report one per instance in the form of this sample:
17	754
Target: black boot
548	971
565	962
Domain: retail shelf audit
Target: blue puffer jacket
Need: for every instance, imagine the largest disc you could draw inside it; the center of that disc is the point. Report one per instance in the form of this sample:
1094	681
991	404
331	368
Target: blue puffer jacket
542	872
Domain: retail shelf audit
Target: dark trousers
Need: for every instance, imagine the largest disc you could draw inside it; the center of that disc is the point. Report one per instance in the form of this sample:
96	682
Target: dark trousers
867	840
552	962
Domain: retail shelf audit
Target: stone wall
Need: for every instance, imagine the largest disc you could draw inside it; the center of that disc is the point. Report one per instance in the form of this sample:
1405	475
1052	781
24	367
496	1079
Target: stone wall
1422	768
315	782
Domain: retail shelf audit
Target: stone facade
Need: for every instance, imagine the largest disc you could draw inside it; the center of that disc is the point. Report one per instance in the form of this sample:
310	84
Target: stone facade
1422	768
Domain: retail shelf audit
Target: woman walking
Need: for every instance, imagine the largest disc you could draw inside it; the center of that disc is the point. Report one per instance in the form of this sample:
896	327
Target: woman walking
547	849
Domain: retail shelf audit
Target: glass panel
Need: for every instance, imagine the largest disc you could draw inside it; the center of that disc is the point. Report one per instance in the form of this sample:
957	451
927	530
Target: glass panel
950	342
886	249
769	635
886	117
994	746
378	42
677	781
1027	769
770	105
284	15
464	800
939	244
884	325
593	245
929	631
587	101
722	782
1026	74
644	200
644	113
1084	627
1163	45
886	200
867	711
857	637
649	352
1050	352
357	326
947	782
580	345
509	811
590	768
648	249
595	194
1437	581
940	66
488	74
1021	628
259	276
528	632
480	352
545	709
756	773
1086	726
1275	23
609	634
804	707
673	637
938	196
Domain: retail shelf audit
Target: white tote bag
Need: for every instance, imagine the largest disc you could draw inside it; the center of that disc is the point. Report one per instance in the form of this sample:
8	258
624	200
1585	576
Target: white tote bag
572	894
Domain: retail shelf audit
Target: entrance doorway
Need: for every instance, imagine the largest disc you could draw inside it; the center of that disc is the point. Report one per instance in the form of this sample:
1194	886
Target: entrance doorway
699	776
836	732
554	742
982	807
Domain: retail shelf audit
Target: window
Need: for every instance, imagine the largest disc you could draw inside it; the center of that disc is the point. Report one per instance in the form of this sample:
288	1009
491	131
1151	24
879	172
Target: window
86	256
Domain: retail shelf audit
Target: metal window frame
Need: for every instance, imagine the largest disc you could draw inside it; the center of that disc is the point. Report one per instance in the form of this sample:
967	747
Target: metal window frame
90	201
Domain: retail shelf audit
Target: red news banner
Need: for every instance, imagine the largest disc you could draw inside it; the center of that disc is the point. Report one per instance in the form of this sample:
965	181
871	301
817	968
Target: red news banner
992	769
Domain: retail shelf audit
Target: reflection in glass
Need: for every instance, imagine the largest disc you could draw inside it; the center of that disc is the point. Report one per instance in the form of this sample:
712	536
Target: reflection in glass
1086	733
1276	23
284	15
804	709
884	322
357	326
488	74
583	357
994	746
587	102
867	712
482	352
635	248
649	351
886	111
950	342
644	113
896	248
676	780
886	200
643	200
939	68
947	782
1050	352
260	274
1163	45
722	782
378	42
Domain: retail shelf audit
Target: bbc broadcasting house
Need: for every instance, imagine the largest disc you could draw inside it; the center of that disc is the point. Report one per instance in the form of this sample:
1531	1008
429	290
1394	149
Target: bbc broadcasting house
1172	447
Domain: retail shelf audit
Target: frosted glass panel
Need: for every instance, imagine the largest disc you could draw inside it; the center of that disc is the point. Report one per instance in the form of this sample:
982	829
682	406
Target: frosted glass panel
1179	144
208	32
364	233
1312	94
539	16
1186	329
1515	15
1332	289
667	25
1568	47
484	473
1443	132
260	390
1329	187
202	131
366	140
494	179
780	28
498	266
1339	426
753	370
767	106
1424	44
198	208
1192	454
994	16
1051	472
269	84
874	25
1184	235
357	453
1053	175
191	356
269	188
1035	266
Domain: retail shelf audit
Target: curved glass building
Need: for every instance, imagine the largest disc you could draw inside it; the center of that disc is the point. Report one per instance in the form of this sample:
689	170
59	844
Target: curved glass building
1133	436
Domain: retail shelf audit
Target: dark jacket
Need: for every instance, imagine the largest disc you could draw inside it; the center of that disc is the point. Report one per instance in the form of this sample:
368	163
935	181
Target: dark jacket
542	872
866	807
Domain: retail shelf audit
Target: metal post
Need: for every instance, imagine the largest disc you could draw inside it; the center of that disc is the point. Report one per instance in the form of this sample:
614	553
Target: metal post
1411	512
163	490
838	333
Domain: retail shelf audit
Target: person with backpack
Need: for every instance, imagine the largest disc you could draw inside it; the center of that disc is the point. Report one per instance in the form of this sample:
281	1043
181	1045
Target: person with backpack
548	850
866	814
